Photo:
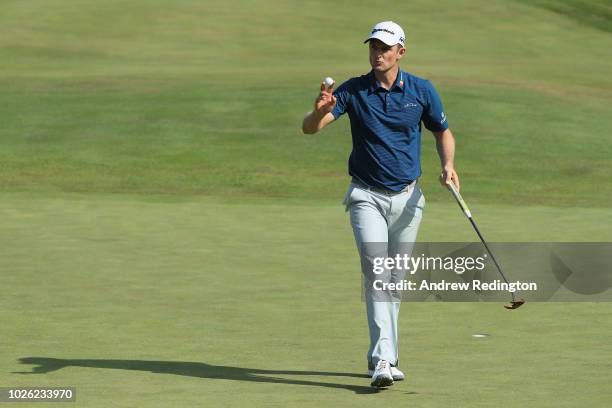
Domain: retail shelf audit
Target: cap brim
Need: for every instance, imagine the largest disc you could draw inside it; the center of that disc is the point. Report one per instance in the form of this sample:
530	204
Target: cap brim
384	37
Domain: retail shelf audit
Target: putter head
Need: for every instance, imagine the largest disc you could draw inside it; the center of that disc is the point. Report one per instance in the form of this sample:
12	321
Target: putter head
515	304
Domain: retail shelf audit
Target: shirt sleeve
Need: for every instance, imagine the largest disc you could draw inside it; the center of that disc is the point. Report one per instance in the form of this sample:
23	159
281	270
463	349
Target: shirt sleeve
343	97
433	117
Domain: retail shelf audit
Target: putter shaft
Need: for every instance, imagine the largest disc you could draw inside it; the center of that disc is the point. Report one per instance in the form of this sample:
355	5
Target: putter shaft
468	214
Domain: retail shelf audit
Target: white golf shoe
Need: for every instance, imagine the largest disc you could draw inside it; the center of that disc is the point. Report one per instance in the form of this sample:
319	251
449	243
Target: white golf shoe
381	377
396	374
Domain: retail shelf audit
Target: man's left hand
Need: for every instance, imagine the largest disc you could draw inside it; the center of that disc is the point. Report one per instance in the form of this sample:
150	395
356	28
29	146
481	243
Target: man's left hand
449	175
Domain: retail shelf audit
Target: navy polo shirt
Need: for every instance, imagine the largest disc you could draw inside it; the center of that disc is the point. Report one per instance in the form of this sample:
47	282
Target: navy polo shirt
386	127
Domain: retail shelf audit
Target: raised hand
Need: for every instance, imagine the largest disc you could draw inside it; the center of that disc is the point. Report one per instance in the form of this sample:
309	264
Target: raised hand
326	101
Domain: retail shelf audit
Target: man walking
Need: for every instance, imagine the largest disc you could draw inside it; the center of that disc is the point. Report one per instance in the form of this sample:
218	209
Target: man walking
386	108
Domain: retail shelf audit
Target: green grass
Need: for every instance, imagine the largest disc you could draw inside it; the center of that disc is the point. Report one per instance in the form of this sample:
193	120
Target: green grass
189	97
591	13
169	238
149	303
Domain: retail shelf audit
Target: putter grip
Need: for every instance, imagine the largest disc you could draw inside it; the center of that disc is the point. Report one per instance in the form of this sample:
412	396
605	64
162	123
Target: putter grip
462	204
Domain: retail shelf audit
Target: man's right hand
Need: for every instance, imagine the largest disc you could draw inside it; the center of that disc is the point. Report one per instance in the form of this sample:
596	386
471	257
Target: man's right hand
326	101
321	115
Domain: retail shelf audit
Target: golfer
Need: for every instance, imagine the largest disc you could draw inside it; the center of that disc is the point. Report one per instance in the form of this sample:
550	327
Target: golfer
386	107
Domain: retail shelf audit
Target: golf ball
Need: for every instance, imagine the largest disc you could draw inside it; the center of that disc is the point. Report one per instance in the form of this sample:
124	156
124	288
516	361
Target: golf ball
479	335
329	81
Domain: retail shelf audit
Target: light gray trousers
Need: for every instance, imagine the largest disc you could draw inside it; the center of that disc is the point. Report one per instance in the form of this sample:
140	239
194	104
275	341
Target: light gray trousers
384	224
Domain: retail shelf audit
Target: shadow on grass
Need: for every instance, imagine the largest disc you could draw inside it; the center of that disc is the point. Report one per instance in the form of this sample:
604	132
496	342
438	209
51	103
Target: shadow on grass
202	370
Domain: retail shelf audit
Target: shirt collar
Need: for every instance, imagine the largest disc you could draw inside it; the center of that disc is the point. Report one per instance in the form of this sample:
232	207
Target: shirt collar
375	85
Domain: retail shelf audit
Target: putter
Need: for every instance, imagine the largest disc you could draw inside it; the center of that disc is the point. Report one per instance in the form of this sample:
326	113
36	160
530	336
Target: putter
514	303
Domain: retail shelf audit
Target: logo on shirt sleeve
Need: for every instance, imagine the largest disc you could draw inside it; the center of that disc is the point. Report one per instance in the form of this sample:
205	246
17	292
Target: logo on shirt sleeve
443	118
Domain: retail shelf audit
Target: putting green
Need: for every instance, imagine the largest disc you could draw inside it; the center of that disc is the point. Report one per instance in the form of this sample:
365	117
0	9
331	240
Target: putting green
154	301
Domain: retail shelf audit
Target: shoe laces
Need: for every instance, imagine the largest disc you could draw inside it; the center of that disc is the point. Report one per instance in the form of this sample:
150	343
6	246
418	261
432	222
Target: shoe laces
382	365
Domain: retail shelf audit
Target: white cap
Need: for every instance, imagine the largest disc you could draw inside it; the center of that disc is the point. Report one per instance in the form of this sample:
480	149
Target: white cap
388	32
